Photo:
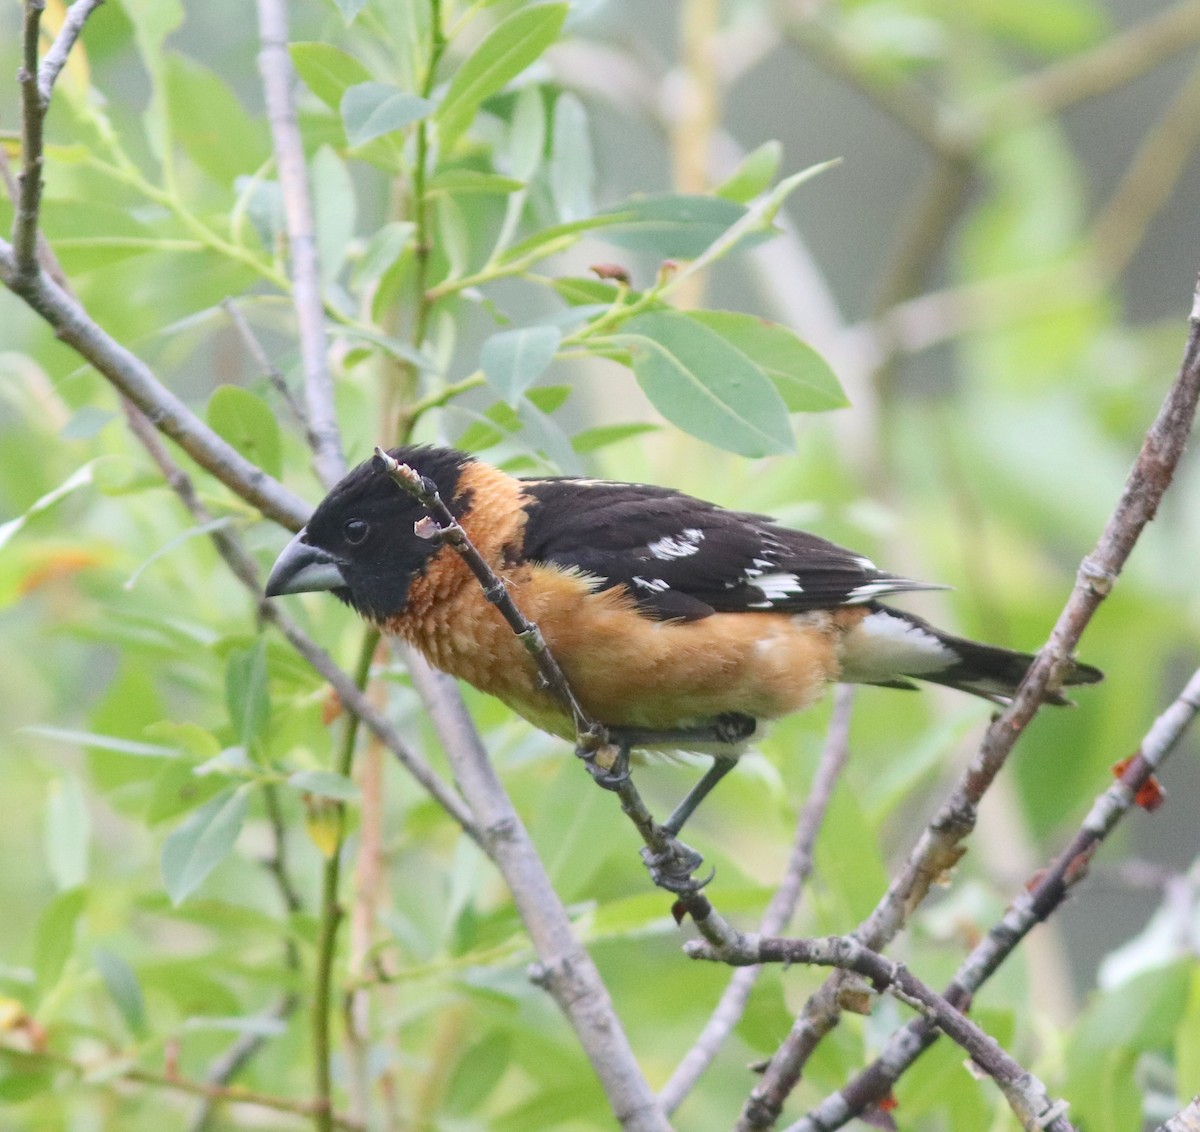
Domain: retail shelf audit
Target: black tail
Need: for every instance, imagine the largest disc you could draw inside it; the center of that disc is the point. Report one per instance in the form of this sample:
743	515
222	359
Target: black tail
918	650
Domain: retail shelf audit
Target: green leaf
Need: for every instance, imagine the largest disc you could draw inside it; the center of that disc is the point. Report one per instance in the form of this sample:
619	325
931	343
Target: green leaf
54	937
248	696
246	421
514	359
86	235
102	742
593	439
123	989
383	249
327	71
325	783
335	211
459	181
704	385
756	171
193	849
68	830
370	110
527	132
801	376
77	479
572	171
504	53
671	225
211	124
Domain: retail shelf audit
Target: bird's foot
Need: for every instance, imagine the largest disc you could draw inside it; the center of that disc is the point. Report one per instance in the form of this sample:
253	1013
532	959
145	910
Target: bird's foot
672	867
608	764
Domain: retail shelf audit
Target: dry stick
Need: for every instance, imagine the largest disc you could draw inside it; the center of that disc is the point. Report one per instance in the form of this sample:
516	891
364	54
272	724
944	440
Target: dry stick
1025	1093
591	737
564	967
275	65
779	911
939	847
1044	894
56	57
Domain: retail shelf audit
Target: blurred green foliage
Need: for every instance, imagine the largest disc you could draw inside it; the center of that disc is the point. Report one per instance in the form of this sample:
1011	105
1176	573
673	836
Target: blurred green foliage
161	747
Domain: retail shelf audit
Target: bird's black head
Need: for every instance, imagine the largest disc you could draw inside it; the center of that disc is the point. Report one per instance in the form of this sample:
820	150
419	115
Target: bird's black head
359	542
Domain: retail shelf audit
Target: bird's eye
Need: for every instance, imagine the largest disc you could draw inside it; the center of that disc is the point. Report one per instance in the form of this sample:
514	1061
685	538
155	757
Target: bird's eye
356	531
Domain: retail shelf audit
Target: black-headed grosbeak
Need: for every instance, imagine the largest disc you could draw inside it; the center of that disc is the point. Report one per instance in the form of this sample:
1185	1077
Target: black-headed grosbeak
678	624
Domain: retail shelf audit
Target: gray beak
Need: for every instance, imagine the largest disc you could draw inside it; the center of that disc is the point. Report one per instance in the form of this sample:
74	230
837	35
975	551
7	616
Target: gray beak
302	568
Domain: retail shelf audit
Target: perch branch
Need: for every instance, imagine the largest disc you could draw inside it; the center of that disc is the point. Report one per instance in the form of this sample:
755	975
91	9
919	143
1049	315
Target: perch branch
1043	895
1025	1093
939	847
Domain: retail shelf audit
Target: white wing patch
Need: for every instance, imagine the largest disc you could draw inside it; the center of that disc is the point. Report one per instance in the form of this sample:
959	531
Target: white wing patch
778	587
883	647
654	585
683	545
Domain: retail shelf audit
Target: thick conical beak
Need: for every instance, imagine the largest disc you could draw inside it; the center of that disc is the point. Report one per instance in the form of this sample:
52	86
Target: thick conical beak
302	568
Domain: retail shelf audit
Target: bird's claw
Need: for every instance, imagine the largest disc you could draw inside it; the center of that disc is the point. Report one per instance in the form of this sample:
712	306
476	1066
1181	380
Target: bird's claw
610	777
673	866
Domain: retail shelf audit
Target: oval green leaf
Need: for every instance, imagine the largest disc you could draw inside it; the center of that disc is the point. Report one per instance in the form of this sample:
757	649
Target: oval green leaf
370	110
704	385
246	422
801	376
510	47
327	71
673	225
193	849
514	359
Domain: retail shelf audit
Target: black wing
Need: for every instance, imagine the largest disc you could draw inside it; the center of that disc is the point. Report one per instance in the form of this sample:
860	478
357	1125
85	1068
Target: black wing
681	557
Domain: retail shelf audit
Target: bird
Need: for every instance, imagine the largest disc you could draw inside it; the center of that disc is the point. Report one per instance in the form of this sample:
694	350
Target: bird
679	624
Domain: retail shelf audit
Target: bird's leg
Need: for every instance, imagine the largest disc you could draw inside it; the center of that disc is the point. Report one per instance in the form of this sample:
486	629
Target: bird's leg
721	766
671	863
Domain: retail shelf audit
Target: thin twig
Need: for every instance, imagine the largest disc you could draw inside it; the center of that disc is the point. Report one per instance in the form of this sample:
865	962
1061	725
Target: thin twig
275	65
564	967
33	117
939	847
270	370
1025	1093
1044	893
56	57
780	910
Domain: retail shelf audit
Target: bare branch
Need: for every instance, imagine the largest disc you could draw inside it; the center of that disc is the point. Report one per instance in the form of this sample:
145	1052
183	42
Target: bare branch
779	911
564	967
56	58
270	370
278	79
939	847
1025	1093
33	116
1041	896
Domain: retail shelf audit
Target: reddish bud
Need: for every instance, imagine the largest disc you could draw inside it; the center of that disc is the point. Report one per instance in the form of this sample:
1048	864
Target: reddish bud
612	271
